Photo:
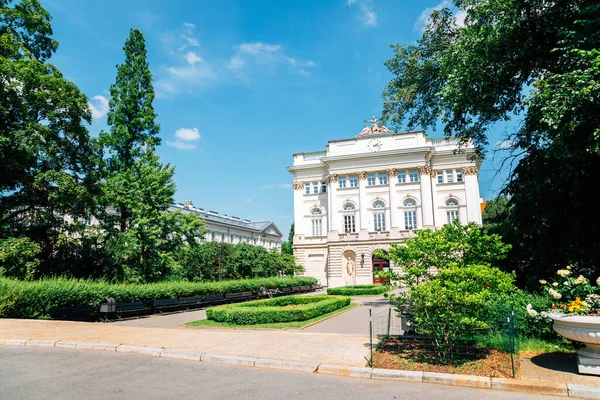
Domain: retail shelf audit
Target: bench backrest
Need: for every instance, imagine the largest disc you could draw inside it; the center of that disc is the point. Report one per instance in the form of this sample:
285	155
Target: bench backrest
212	297
134	305
165	302
190	300
286	290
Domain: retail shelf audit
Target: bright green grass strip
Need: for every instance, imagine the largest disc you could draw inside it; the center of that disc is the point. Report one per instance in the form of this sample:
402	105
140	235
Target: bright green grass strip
540	346
277	325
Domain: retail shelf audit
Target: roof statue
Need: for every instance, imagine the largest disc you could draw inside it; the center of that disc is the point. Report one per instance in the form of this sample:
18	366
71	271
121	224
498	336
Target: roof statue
373	129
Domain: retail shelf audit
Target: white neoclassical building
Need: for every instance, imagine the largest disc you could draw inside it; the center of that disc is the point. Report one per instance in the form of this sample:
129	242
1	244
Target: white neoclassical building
363	193
228	229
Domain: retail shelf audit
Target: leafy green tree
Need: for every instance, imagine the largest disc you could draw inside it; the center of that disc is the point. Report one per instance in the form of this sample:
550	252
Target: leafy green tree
535	60
145	241
19	257
49	162
431	251
288	246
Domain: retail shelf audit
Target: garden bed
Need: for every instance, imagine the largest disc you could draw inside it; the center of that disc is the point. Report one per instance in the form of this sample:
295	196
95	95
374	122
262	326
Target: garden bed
359	290
418	355
281	309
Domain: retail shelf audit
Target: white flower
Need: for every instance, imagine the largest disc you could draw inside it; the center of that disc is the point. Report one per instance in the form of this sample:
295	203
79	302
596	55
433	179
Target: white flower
531	311
566	283
543	282
598	281
555	284
554	294
544	314
563	272
580	280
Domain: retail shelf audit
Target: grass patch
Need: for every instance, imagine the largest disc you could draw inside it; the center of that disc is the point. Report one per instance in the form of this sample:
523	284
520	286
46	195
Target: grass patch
534	346
359	290
207	323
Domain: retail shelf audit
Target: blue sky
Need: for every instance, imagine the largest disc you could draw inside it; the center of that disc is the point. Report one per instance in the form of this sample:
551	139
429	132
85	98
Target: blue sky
243	85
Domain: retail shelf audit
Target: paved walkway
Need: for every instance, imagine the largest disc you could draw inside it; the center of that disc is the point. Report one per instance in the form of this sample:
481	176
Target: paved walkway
282	345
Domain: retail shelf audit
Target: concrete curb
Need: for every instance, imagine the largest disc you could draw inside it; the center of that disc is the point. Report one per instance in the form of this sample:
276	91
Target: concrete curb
536	387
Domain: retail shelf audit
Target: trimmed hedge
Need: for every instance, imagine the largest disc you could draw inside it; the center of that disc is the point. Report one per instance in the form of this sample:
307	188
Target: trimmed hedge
34	299
281	309
359	290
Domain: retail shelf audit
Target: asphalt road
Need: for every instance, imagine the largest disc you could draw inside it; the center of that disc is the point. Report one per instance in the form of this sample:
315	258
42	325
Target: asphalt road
49	373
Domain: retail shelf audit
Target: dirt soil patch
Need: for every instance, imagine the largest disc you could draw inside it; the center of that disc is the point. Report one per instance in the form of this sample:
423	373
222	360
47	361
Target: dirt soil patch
420	356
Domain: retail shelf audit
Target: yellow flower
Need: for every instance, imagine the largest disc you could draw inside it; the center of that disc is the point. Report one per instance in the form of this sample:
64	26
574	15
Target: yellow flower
543	282
555	284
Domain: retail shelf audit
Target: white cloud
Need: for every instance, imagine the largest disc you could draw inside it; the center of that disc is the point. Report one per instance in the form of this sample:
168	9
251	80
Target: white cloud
192	58
190	40
421	22
187	134
100	109
248	200
191	74
505	144
181	145
236	63
248	54
258	48
189	25
369	17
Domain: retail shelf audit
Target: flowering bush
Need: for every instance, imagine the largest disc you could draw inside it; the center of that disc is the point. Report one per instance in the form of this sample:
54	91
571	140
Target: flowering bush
572	295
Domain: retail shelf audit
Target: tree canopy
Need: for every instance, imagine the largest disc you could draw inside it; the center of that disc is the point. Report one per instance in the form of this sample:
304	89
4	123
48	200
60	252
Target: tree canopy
533	60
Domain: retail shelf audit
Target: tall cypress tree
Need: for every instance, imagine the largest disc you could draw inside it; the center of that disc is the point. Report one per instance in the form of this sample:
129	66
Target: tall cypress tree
144	239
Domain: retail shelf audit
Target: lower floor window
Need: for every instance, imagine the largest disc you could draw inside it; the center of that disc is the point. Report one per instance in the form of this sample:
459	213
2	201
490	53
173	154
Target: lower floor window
410	219
316	227
452	215
349	223
379	221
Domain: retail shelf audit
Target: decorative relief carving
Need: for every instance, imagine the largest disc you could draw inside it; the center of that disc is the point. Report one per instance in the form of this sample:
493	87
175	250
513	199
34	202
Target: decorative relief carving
391	172
472	170
434	173
424	170
362	175
298	185
373	129
331	178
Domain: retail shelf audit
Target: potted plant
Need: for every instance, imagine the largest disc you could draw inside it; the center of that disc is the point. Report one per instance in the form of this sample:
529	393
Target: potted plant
576	315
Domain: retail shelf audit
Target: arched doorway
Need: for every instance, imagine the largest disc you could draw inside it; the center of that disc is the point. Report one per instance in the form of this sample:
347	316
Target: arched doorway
380	265
350	267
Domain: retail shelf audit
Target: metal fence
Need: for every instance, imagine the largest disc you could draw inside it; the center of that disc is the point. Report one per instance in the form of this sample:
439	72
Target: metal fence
395	333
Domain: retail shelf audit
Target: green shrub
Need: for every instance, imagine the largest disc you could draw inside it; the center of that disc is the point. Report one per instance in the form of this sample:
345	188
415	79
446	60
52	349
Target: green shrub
359	290
281	309
34	299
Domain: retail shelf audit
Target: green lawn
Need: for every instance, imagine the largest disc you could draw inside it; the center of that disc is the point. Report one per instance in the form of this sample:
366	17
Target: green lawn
539	346
279	325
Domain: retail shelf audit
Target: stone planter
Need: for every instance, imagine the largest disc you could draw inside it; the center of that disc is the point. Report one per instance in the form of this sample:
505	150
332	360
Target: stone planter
584	329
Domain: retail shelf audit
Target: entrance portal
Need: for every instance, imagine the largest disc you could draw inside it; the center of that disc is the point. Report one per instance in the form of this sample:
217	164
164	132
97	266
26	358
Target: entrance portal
380	265
350	267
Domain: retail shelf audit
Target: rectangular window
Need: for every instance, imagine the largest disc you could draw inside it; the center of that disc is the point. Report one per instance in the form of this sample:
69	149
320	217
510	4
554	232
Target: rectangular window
371	179
349	223
323	187
459	177
382	178
342	181
452	215
440	176
315	187
410	220
316	227
307	188
379	221
414	175
449	178
87	220
353	181
402	177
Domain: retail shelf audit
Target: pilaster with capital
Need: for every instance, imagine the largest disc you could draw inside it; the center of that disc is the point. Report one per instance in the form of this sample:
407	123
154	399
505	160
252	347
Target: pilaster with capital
298	185
362	175
394	221
427	199
362	198
472	194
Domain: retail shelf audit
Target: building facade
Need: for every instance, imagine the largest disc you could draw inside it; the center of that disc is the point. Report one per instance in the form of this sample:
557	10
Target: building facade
227	229
364	193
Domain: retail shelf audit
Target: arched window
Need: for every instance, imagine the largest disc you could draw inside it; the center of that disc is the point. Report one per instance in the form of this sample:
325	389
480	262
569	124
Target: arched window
316	222
410	216
379	216
349	218
452	210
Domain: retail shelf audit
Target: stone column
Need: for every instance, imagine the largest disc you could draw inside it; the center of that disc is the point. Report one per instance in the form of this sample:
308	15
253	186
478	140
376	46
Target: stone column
362	206
471	176
426	197
394	222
